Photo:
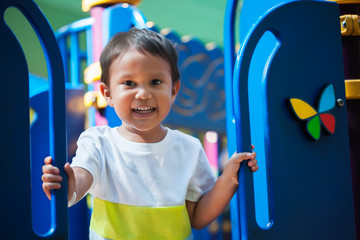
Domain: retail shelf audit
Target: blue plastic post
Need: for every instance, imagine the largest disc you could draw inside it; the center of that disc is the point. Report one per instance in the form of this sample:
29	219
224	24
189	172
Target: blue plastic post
229	61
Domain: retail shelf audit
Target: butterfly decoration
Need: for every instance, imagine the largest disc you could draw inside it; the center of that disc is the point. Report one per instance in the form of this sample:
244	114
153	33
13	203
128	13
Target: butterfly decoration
322	116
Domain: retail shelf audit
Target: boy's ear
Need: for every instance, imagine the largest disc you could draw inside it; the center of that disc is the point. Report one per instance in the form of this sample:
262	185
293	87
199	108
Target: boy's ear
175	90
105	91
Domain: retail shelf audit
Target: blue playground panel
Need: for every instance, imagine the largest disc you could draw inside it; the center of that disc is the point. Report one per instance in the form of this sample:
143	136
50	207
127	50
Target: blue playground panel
307	180
15	128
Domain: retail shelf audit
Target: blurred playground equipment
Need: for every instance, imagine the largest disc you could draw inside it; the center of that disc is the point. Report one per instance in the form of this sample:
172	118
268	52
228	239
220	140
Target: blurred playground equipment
284	93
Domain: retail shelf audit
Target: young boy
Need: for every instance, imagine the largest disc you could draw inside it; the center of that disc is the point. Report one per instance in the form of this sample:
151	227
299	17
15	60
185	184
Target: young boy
148	181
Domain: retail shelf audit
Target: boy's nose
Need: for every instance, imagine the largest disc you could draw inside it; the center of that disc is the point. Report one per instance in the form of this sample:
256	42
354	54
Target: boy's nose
143	94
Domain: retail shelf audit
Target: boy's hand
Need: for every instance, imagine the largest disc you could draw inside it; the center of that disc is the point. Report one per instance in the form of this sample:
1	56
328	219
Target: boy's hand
52	180
253	162
233	165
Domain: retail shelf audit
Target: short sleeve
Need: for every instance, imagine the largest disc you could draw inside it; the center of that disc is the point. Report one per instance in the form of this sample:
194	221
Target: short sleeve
89	154
202	180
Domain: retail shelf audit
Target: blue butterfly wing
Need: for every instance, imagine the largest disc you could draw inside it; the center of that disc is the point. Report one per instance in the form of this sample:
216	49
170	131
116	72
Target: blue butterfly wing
327	99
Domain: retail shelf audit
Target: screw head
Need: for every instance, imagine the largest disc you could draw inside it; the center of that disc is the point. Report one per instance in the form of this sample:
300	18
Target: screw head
340	102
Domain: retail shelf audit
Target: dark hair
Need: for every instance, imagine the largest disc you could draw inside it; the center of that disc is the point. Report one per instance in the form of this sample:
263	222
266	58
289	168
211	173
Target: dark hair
144	41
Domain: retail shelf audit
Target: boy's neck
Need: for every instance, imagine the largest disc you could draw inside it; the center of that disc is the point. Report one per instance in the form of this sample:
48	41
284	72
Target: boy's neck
153	136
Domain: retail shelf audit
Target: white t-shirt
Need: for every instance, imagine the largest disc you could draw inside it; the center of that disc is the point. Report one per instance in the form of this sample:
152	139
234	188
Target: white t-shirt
154	175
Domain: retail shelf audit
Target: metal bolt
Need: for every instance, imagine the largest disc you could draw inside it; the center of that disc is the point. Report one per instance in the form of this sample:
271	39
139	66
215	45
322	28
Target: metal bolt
340	102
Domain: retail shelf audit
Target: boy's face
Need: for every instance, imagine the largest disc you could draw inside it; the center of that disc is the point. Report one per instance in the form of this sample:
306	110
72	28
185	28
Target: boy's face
141	91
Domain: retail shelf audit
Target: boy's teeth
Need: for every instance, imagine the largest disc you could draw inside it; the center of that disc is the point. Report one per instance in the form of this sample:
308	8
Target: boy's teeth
144	109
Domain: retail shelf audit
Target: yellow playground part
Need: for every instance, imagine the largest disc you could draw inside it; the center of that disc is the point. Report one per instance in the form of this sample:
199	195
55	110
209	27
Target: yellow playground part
88	4
352	88
92	73
32	115
94	98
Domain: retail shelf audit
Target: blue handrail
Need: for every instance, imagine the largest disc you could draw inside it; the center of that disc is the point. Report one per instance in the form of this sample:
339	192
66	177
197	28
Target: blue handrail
73	55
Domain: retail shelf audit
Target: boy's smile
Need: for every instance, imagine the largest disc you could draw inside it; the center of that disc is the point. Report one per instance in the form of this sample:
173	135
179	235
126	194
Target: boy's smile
141	91
143	110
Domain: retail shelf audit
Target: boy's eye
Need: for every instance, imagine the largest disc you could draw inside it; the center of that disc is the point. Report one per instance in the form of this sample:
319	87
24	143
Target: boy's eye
129	83
156	82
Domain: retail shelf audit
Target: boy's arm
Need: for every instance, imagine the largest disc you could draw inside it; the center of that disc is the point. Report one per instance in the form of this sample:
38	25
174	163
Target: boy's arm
213	203
83	181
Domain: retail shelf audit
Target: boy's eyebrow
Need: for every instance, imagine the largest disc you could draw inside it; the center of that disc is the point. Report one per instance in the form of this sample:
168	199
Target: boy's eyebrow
158	74
121	76
125	74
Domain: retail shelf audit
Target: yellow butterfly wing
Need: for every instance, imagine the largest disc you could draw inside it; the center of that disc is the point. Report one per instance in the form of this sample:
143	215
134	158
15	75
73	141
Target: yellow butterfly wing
302	109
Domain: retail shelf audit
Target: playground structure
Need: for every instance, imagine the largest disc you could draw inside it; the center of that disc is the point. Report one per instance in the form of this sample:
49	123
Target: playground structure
291	205
275	68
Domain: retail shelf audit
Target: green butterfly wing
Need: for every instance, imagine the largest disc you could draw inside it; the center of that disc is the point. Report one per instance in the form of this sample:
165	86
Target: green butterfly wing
313	127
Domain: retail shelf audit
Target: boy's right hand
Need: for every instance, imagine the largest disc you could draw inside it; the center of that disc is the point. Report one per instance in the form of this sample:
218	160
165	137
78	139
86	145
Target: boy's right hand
52	180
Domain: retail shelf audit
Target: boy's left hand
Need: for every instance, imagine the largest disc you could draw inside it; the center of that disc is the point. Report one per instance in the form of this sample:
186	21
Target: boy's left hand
233	165
237	158
252	161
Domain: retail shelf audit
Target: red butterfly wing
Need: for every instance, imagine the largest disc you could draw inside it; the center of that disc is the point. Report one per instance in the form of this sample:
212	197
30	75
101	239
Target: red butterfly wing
328	121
